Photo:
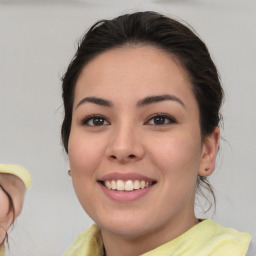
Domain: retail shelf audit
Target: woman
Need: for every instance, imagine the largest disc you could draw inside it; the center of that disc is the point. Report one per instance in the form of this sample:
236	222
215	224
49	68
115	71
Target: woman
141	129
14	181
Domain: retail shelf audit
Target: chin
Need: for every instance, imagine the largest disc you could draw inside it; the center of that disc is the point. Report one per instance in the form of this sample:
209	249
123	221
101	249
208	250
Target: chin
129	226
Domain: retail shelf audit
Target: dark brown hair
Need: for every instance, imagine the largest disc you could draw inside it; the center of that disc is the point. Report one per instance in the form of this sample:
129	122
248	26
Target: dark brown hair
150	28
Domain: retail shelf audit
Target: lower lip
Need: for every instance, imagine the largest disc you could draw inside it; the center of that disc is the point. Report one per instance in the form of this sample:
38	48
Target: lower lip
125	196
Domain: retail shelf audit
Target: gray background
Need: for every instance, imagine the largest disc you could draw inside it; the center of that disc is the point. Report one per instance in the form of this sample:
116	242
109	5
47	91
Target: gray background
37	41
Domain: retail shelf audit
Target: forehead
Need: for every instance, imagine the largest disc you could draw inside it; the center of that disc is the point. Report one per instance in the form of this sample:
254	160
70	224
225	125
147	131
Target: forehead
133	71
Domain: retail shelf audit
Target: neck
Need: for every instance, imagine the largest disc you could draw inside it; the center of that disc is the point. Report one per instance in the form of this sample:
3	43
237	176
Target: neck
116	245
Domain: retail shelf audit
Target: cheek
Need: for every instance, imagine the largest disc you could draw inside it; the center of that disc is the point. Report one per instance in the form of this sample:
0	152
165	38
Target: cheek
85	153
178	160
177	156
84	158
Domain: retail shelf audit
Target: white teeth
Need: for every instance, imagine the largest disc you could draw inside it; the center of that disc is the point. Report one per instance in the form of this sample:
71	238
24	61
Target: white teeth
108	184
113	184
120	185
136	184
128	185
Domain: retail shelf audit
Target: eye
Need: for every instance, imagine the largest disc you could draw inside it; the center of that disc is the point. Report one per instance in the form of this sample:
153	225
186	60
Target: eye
161	119
95	120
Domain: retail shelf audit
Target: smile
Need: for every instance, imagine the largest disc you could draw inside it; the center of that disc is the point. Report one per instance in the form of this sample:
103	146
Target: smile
125	187
128	185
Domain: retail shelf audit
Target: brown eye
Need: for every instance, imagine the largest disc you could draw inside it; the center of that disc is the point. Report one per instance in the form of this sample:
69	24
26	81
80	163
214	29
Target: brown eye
98	121
161	119
95	121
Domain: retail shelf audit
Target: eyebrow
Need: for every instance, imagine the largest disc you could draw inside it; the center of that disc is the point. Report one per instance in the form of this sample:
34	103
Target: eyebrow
141	103
97	101
158	98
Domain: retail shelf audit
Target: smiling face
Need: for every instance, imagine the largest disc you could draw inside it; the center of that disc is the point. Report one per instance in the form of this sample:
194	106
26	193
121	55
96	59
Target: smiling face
135	145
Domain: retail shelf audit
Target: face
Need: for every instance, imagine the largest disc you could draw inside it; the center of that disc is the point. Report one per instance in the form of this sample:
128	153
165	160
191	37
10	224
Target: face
135	145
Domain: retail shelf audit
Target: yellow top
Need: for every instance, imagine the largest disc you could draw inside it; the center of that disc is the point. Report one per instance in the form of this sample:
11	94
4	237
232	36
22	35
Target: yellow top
19	171
207	238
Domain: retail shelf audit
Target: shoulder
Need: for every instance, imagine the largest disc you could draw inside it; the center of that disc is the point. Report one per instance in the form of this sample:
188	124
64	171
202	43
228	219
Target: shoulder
232	240
206	238
87	243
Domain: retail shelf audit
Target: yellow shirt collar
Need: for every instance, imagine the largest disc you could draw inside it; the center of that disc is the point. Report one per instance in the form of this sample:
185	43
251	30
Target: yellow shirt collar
205	238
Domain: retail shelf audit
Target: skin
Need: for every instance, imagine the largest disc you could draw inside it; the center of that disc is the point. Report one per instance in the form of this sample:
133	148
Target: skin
130	140
15	187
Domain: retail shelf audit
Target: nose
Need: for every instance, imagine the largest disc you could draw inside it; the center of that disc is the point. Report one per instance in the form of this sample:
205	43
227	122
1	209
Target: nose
125	145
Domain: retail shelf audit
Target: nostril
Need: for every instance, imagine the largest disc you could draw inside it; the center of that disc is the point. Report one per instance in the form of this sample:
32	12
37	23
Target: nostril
122	158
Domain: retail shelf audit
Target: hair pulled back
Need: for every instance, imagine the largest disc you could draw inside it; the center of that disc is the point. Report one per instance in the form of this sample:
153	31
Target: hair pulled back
169	35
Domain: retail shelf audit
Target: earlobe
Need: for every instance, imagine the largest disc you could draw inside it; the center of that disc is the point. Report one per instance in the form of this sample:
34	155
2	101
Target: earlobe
209	152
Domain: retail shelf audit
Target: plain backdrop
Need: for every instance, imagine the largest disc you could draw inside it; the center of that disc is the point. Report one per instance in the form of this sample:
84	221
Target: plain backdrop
37	41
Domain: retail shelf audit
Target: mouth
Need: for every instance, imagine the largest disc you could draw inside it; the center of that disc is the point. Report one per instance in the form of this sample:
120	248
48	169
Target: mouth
127	185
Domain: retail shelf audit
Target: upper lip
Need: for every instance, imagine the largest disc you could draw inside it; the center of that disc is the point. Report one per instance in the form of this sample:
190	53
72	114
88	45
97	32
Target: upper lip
125	177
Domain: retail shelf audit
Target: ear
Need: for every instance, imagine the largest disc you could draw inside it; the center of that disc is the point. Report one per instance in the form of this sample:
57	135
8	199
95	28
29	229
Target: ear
69	173
209	152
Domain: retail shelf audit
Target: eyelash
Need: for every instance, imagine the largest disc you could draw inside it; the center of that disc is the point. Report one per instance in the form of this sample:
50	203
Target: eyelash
103	121
94	118
167	119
